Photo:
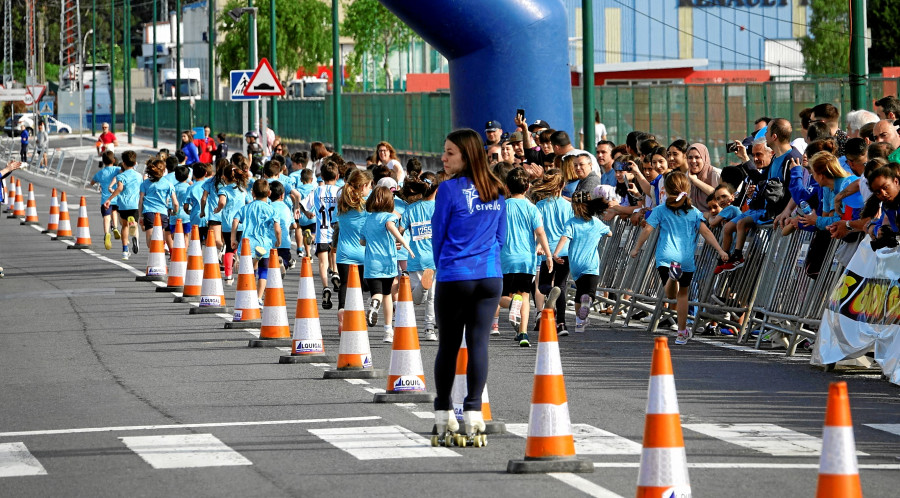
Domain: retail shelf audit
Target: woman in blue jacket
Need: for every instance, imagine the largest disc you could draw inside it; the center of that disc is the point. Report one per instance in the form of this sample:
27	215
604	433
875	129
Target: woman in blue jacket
468	230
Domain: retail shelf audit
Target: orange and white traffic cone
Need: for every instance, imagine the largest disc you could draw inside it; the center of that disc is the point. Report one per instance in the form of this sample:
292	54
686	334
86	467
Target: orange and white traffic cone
31	216
406	376
64	231
177	261
459	391
246	299
275	329
838	469
307	345
354	356
10	197
156	258
83	229
550	446
53	222
19	206
663	469
193	276
212	296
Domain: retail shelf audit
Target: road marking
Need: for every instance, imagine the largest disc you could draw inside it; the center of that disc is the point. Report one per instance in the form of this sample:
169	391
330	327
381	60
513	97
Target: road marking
60	293
120	264
375	390
590	440
583	485
381	442
123	428
184	451
323	365
748	465
892	428
357	382
284	349
16	460
766	438
425	415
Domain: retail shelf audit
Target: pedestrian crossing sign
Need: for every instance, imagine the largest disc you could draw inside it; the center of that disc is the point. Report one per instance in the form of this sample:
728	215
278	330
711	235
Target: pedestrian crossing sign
239	81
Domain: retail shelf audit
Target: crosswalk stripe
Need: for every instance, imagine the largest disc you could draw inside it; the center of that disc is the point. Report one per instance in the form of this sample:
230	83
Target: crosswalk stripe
892	428
381	442
184	451
765	438
16	460
590	440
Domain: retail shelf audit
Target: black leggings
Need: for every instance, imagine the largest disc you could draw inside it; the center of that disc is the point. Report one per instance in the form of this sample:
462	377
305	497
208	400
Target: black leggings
465	305
559	278
344	272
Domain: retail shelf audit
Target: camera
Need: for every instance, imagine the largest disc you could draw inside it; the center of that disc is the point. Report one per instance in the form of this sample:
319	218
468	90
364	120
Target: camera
618	166
887	239
732	147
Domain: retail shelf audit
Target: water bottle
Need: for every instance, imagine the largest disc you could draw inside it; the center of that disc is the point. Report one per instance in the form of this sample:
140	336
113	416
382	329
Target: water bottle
804	208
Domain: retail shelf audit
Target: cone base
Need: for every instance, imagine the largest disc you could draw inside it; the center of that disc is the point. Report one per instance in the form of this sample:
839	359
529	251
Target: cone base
550	465
270	343
186	299
208	310
490	427
306	358
79	246
401	397
63	237
29	223
151	278
248	324
49	231
359	373
10	216
168	288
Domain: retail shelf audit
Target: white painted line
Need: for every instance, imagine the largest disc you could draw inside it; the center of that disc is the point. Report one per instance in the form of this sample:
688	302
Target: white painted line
590	440
160	284
323	365
88	251
766	438
224	315
748	465
123	428
184	451
892	428
120	264
375	390
16	460
425	415
583	485
405	405
381	442
283	349
357	382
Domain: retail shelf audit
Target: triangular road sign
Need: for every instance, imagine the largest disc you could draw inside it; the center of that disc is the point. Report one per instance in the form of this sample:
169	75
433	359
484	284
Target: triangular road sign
36	91
264	82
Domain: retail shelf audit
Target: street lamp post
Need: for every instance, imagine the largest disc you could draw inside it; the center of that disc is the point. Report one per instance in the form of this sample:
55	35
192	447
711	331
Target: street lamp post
235	15
94	67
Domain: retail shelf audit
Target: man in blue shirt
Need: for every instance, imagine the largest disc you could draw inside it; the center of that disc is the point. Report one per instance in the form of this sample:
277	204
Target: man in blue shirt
24	137
605	160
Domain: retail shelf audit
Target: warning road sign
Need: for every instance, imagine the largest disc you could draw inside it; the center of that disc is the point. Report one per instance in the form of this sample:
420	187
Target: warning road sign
239	81
264	82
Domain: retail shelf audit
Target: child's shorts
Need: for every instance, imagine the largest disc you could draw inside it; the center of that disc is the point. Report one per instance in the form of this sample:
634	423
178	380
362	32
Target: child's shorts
285	255
106	212
587	284
757	215
515	283
684	281
185	227
323	247
128	213
380	285
148	218
263	268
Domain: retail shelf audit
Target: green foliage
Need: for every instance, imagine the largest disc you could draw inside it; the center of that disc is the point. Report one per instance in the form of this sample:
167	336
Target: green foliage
827	50
375	30
882	18
302	29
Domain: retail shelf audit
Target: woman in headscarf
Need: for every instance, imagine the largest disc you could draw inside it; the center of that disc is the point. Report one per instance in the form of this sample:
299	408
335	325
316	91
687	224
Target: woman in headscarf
704	177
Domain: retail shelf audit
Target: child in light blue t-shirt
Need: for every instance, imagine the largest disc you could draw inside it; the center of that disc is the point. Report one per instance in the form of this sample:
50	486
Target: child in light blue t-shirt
157	196
285	219
416	224
379	235
556	211
306	223
678	222
725	210
202	174
261	231
232	198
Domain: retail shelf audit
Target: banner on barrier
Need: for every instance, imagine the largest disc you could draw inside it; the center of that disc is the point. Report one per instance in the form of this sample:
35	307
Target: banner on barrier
864	312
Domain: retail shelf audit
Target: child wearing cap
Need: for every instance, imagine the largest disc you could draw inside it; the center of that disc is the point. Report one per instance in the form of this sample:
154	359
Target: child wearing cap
260	229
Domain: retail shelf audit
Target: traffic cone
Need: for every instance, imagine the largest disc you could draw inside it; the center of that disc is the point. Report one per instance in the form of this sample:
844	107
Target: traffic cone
663	469
31	216
275	329
838	471
550	446
459	391
212	296
64	231
354	356
156	259
246	300
177	261
193	276
307	345
406	377
53	223
82	230
19	206
10	198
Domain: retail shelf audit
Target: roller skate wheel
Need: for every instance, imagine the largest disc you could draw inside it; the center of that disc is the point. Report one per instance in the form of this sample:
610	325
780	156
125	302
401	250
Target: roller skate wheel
476	442
483	440
461	441
435	441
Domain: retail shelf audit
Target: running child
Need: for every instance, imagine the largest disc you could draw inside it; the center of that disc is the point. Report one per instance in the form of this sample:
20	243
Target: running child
128	186
350	220
304	183
285	219
104	178
379	235
210	200
518	256
231	198
260	229
419	190
555	211
323	203
156	194
202	174
182	188
678	222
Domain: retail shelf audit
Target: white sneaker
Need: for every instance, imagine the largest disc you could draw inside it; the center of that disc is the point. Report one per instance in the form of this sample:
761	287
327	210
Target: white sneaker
125	255
229	281
579	327
430	335
585	307
388	336
683	336
515	311
495	329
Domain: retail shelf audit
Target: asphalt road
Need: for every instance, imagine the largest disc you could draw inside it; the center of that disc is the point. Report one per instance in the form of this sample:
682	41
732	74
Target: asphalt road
103	378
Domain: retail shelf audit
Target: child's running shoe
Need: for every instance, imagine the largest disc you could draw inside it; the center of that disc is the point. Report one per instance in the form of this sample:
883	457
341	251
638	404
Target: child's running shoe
116	233
335	281
585	307
307	237
1	272
561	330
372	315
495	329
326	298
721	266
515	311
388	336
683	336
260	252
579	326
229	280
427	278
107	241
134	244
736	260
430	335
522	339
125	255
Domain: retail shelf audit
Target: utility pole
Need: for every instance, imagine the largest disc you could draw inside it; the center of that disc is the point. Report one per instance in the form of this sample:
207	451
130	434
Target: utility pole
7	43
211	79
127	35
337	75
587	73
112	66
859	64
177	74
255	121
272	57
94	67
155	77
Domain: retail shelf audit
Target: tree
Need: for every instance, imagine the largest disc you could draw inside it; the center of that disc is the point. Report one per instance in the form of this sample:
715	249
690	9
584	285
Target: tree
375	30
302	29
882	14
827	50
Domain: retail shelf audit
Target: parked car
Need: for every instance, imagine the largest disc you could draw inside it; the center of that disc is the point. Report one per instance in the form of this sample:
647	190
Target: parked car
53	125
